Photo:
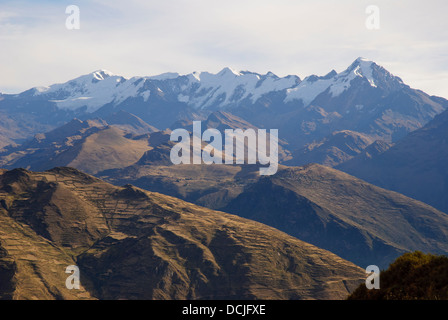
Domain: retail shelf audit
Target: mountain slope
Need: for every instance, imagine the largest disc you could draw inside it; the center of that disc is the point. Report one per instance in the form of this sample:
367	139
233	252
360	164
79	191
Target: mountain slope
339	147
133	244
129	123
372	150
90	145
15	129
415	166
212	186
326	207
222	120
358	221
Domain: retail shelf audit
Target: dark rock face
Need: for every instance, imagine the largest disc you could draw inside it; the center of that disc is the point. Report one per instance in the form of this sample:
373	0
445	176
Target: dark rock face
8	269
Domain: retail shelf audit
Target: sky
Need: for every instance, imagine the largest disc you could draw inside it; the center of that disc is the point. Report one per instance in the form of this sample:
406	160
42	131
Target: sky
145	38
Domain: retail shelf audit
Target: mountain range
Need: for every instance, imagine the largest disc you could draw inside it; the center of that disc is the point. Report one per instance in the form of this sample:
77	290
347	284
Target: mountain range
86	178
363	98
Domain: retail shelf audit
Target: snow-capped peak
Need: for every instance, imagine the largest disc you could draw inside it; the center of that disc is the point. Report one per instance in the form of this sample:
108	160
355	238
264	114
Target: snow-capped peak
228	72
92	90
199	90
101	74
363	60
165	76
228	87
362	67
336	83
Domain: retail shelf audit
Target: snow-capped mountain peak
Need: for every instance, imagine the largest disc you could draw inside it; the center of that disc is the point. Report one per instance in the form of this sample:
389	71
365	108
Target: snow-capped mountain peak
361	67
101	74
204	90
337	83
165	76
91	91
228	72
229	87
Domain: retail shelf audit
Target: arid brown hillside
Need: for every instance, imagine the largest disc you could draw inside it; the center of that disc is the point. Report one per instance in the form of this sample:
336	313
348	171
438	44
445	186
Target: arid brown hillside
135	244
90	146
350	217
360	222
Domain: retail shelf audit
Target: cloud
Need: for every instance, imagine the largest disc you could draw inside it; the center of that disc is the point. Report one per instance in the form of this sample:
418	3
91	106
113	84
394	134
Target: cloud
283	36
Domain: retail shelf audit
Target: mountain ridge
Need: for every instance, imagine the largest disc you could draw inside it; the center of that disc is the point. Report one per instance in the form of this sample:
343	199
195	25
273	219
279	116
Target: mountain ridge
226	82
90	145
363	98
327	207
414	166
133	244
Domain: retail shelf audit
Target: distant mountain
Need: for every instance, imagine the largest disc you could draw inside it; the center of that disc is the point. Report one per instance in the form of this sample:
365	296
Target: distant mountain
159	155
364	98
415	166
96	145
133	244
90	145
222	121
212	186
17	128
372	150
130	123
356	220
200	90
326	207
337	148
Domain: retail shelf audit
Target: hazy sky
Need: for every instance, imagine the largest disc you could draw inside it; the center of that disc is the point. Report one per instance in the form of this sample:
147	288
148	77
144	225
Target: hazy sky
150	37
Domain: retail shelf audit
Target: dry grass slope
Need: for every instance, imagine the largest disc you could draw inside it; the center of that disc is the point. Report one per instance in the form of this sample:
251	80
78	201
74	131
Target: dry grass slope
135	244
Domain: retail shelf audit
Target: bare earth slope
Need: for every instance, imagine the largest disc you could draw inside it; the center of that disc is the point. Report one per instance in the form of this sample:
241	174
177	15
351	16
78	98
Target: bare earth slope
134	244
